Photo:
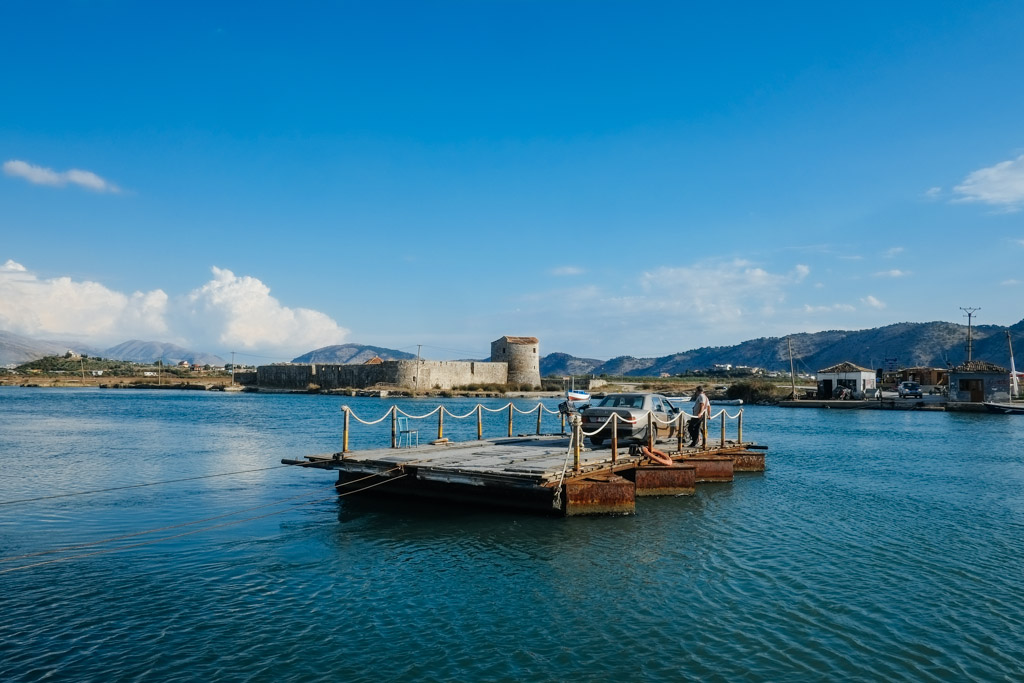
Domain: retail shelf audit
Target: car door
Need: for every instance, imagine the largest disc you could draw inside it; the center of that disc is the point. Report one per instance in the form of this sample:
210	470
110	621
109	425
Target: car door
662	414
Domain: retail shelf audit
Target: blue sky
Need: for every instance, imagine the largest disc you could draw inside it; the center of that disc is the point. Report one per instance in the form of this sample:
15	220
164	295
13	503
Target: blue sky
613	178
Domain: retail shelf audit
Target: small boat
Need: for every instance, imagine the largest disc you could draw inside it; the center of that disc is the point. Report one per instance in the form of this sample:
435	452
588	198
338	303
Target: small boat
577	395
727	401
679	399
1005	408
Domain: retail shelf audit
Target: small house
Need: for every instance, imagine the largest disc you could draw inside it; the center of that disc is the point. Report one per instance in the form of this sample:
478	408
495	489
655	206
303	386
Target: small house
832	380
924	376
977	381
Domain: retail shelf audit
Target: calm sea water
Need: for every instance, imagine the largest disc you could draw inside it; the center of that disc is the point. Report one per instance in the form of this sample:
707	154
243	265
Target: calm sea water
878	546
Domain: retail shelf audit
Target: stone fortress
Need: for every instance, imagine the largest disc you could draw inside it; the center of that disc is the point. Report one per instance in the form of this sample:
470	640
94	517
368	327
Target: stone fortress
514	360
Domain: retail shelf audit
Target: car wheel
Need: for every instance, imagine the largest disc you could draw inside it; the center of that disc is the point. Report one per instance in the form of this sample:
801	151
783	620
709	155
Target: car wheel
596	441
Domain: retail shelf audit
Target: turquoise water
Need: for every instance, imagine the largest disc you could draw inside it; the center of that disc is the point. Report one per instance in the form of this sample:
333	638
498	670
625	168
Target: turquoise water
878	546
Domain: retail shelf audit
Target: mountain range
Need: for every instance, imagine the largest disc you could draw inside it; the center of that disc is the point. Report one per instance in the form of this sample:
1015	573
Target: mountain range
936	344
16	349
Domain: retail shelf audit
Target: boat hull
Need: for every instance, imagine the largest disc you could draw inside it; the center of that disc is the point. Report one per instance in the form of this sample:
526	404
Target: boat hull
1005	408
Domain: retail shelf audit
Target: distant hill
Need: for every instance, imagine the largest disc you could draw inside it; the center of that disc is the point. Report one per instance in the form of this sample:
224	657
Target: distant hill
16	349
564	364
148	352
351	354
911	344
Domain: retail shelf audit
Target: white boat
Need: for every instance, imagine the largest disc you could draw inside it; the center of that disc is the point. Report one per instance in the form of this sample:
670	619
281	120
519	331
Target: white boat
727	401
577	395
679	399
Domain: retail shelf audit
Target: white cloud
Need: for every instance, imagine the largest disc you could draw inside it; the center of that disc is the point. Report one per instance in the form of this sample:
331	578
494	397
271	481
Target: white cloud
872	302
718	291
247	317
892	273
1010	283
38	175
86	310
833	308
1000	185
567	270
893	252
933	192
227	313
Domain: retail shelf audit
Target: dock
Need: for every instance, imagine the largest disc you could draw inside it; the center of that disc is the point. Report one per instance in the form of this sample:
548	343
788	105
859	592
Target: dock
545	473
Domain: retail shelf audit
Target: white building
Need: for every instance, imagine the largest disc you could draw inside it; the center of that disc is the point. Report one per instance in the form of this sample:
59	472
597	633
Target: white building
860	381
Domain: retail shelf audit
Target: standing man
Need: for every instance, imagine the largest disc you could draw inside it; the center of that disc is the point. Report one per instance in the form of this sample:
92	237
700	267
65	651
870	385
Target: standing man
701	411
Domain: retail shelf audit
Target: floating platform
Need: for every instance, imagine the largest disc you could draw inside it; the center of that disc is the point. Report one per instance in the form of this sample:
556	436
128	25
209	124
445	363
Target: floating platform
535	473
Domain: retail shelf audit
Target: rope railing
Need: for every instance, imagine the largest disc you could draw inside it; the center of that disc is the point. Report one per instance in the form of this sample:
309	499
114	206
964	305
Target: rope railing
394	411
652	420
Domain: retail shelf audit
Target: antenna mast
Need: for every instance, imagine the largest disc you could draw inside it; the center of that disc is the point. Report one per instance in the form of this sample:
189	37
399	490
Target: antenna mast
970	342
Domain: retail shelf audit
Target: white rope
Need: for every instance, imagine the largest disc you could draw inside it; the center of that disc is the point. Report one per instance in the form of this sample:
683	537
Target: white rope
460	417
358	419
496	410
557	501
531	411
415	417
605	424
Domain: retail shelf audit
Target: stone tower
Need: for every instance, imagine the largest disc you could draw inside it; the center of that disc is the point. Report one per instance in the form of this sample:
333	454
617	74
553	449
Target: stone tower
522	354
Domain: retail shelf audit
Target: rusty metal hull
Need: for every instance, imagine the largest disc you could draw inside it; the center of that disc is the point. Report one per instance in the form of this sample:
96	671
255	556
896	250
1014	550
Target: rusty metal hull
711	468
681	479
611	496
540	499
748	461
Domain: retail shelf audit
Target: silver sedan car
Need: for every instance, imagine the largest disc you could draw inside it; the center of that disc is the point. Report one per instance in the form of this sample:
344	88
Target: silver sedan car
632	410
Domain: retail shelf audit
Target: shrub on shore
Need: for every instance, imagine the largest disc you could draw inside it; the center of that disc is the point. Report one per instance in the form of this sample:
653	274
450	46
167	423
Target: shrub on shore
756	390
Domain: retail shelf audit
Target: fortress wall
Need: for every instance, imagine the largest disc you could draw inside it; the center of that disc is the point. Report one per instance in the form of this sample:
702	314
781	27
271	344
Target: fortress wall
409	374
426	375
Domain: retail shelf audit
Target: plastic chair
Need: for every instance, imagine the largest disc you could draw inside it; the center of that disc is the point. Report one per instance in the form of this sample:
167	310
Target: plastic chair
408	434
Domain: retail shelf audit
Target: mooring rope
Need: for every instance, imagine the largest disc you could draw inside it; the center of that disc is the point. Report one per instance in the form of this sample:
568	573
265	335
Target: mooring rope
183	524
195	531
135	486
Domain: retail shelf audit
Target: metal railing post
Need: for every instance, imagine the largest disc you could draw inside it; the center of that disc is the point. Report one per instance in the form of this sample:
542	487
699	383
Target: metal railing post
723	429
679	432
394	426
615	438
510	410
562	416
344	430
739	427
577	430
540	414
650	430
440	423
479	422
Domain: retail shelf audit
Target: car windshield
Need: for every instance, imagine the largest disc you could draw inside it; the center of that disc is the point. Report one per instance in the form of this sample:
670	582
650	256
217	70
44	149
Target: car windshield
619	401
910	385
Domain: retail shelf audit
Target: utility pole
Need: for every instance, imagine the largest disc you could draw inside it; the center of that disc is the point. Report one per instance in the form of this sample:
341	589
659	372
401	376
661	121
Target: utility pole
792	369
419	369
970	342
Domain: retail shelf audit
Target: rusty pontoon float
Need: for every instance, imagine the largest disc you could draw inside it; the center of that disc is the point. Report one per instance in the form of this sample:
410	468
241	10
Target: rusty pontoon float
550	473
